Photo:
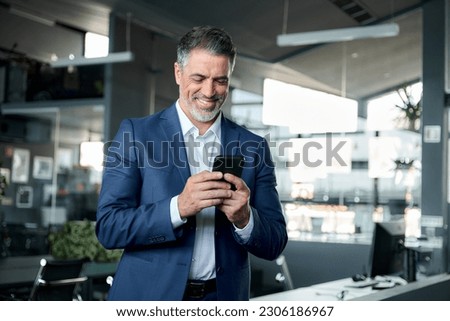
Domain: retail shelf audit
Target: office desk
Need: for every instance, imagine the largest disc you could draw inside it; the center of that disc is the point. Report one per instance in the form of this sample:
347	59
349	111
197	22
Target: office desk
17	271
20	271
339	290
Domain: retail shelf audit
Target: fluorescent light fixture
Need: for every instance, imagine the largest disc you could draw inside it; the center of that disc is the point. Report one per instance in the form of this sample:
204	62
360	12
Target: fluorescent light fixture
81	61
335	35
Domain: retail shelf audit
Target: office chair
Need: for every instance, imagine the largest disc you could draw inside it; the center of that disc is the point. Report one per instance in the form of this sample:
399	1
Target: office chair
101	289
57	280
284	276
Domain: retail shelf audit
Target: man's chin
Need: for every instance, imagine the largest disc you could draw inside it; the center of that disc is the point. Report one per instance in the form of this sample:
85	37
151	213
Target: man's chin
204	116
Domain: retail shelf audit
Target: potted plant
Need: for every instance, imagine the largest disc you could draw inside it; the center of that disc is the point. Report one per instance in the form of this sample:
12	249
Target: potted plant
77	240
411	109
3	185
3	235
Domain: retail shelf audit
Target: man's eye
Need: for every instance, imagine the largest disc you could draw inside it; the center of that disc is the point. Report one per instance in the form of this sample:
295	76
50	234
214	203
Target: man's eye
222	81
197	79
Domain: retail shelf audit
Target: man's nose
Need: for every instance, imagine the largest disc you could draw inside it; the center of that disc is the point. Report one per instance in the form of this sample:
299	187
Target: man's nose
208	88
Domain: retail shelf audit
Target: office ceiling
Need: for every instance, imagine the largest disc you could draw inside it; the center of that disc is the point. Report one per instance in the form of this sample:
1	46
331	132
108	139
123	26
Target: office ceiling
355	69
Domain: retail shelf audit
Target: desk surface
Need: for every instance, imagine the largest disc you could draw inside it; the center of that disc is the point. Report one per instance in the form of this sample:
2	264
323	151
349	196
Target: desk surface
344	289
22	270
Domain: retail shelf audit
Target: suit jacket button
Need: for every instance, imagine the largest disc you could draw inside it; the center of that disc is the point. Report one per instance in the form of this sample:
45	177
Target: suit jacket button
219	270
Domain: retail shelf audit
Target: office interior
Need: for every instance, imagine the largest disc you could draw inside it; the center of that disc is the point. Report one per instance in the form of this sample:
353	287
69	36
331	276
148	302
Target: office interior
378	142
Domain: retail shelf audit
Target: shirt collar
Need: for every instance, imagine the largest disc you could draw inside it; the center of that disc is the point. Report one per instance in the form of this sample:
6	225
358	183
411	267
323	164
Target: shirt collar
187	127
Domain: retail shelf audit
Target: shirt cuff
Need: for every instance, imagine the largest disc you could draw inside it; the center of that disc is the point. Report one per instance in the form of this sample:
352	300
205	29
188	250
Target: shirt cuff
175	217
245	232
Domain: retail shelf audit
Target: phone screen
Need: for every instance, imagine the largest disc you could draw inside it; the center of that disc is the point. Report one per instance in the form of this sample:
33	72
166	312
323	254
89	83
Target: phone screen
229	164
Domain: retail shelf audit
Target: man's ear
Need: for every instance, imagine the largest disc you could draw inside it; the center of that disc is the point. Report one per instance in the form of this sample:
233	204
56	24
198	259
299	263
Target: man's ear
177	72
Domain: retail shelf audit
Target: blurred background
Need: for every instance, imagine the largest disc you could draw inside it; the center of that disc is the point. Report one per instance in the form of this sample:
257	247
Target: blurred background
355	113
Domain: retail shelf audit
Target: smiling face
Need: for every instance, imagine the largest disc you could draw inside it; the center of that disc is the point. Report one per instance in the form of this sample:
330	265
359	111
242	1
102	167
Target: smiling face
203	83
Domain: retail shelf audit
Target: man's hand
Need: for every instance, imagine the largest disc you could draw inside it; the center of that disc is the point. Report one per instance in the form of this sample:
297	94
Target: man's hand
203	190
236	207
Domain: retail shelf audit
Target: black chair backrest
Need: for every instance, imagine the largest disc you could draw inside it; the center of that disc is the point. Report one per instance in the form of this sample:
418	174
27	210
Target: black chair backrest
57	280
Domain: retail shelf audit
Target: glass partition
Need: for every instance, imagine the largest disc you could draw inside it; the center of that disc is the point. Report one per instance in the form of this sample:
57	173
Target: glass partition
47	181
379	178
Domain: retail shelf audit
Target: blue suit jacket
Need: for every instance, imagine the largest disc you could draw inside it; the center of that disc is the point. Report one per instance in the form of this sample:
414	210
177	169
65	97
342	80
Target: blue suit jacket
146	166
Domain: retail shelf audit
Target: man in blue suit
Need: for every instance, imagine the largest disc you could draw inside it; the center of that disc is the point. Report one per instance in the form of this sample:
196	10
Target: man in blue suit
187	231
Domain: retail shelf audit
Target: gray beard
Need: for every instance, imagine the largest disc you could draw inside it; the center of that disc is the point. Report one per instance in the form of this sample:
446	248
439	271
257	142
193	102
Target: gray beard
204	118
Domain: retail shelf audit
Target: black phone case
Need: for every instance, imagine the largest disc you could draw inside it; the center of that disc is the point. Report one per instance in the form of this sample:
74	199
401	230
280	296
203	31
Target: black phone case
229	164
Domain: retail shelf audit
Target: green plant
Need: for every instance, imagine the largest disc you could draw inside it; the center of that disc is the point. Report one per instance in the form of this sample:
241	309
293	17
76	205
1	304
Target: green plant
77	240
3	185
411	109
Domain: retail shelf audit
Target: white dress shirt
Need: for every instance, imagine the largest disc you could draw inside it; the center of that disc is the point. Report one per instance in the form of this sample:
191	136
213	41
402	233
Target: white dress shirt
201	150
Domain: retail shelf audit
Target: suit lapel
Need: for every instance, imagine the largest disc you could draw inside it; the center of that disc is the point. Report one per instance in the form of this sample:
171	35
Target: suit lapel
230	138
170	126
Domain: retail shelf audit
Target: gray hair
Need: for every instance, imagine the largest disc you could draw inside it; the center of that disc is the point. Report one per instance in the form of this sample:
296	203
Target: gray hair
212	39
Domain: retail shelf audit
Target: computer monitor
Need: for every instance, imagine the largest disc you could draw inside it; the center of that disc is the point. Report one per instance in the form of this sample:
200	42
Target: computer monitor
388	249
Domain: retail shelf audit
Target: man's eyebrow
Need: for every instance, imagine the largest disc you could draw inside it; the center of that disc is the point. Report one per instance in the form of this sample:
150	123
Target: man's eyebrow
203	76
197	75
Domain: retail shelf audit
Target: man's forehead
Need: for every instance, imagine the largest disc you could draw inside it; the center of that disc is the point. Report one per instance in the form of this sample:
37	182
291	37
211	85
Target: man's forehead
199	54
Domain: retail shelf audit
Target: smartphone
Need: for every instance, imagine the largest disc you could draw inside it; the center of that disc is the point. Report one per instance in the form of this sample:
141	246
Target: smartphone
229	164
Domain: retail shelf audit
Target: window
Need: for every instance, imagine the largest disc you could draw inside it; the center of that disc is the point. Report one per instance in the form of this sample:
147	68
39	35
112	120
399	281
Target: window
95	45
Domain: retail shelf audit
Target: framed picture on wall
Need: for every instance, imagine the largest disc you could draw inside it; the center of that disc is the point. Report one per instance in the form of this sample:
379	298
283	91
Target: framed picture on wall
6	173
42	167
64	160
24	197
20	165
